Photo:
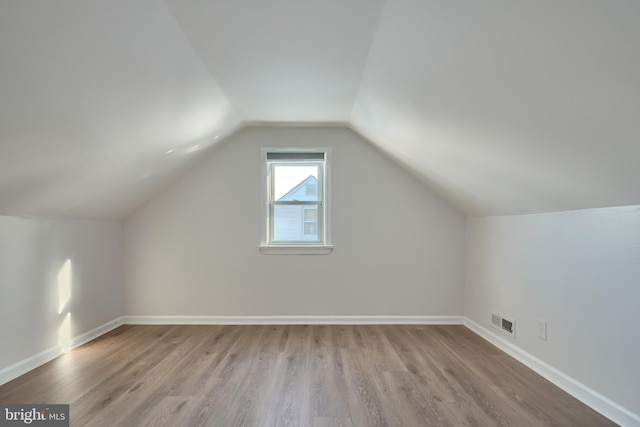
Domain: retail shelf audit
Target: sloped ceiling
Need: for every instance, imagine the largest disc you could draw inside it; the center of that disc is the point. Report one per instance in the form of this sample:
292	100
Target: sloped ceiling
101	103
502	107
509	107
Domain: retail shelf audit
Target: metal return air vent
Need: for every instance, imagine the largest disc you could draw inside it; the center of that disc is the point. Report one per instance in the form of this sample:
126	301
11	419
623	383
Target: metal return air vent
505	325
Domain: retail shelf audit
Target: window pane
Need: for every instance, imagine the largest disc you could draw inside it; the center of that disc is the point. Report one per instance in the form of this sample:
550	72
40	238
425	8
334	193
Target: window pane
295	182
289	224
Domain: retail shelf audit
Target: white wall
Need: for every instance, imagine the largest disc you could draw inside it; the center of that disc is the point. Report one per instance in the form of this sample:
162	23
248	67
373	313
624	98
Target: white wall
32	254
193	249
579	271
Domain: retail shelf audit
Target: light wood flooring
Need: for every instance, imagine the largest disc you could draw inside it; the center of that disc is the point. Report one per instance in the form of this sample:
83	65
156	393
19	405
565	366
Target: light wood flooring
297	376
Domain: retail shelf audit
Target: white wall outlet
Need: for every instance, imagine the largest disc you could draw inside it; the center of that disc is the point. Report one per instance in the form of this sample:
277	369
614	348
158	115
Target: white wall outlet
542	329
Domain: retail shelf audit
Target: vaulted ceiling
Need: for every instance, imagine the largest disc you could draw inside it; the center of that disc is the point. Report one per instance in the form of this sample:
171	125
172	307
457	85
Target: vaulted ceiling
502	107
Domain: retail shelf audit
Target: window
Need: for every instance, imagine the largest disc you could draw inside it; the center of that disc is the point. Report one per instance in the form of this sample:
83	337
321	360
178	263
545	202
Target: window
310	221
296	205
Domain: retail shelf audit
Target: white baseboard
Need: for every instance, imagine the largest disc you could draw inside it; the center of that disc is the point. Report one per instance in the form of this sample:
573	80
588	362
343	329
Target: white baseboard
586	395
14	371
91	335
293	320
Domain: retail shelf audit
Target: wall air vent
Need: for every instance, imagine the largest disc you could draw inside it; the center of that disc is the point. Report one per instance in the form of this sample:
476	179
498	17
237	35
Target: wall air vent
504	324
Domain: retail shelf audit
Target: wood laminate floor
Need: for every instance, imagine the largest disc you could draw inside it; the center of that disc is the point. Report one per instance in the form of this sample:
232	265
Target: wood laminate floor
317	376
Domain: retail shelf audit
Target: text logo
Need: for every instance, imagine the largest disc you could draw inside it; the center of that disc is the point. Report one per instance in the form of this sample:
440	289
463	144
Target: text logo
34	415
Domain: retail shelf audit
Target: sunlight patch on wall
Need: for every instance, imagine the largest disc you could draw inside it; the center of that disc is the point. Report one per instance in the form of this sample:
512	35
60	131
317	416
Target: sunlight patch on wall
64	297
64	286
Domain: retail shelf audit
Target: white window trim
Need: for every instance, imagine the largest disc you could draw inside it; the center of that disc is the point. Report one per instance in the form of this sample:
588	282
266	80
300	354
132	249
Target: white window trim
294	248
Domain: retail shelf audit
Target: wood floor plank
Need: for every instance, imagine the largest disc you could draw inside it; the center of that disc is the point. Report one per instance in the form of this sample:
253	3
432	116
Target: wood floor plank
328	385
168	411
366	408
331	422
297	375
421	354
292	403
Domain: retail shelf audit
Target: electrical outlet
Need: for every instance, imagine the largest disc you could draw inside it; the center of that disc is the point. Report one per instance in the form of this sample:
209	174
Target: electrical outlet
542	329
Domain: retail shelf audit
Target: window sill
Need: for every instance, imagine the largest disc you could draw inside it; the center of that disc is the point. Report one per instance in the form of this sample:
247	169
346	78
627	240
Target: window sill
295	250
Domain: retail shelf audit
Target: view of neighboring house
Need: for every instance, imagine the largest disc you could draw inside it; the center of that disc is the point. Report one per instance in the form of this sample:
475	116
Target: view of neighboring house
298	222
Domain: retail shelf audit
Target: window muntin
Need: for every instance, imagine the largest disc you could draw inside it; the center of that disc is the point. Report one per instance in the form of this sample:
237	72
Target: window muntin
296	205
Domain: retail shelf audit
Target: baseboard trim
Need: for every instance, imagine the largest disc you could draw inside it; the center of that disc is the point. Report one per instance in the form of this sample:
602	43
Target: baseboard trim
20	368
586	395
293	320
91	335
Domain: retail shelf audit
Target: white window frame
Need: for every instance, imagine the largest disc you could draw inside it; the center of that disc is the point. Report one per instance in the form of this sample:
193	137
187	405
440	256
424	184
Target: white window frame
321	247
